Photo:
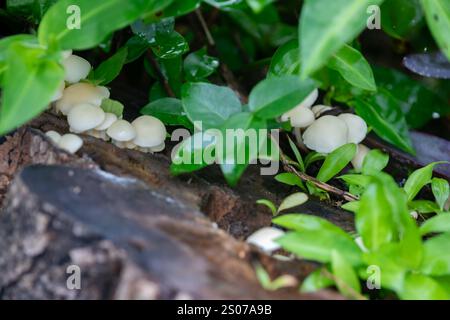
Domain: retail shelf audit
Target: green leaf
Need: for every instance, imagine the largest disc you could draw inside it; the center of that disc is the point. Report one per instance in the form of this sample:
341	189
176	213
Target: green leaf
436	257
437	13
305	222
198	65
109	69
179	8
374	162
322	35
352	206
423	206
420	287
258	5
356	180
31	9
384	115
6	42
290	179
147	30
441	191
316	281
292	201
436	224
274	96
192	153
346	279
417	102
352	66
318	245
297	154
29	83
336	161
401	18
169	45
168	110
136	46
419	179
97	21
269	204
112	106
381	202
242	146
313	157
286	60
210	104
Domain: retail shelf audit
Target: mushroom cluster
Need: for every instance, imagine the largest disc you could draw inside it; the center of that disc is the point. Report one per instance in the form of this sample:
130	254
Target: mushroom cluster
81	103
69	142
326	133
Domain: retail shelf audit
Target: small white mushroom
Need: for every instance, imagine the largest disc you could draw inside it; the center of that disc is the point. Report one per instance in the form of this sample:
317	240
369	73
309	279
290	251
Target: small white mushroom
100	131
70	142
414	214
121	132
81	93
359	157
319	109
359	241
294	112
76	68
85	117
326	134
54	136
357	127
59	93
310	99
300	117
150	133
265	239
66	53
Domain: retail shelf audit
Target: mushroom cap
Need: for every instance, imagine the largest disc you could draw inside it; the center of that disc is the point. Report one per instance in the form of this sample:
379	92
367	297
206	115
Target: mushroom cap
110	118
84	117
76	68
264	238
319	109
359	157
66	53
159	148
357	127
301	117
53	135
307	103
122	131
81	93
70	142
150	131
326	134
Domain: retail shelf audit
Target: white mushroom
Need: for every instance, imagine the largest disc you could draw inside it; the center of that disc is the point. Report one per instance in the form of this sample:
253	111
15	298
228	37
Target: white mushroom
357	127
414	215
100	130
359	157
121	132
66	54
319	109
307	103
265	239
300	117
54	136
81	93
70	142
85	117
76	68
59	93
150	133
326	134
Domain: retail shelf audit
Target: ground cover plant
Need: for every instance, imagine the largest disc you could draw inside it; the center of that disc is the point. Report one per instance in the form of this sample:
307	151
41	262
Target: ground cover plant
324	96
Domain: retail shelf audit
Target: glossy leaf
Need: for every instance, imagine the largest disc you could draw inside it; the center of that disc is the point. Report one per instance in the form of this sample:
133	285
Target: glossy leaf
198	65
384	115
168	110
322	35
352	66
29	83
437	13
419	179
210	104
97	21
274	96
286	60
109	69
170	45
436	259
436	224
441	191
336	161
290	179
401	18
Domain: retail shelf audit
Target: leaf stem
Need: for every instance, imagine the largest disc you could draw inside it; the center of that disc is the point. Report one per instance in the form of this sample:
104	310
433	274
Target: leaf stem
162	79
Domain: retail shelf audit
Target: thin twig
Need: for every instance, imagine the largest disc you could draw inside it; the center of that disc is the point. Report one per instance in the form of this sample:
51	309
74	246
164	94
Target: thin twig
205	28
162	79
319	184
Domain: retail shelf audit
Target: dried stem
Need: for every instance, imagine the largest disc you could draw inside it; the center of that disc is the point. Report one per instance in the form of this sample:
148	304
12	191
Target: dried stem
321	185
